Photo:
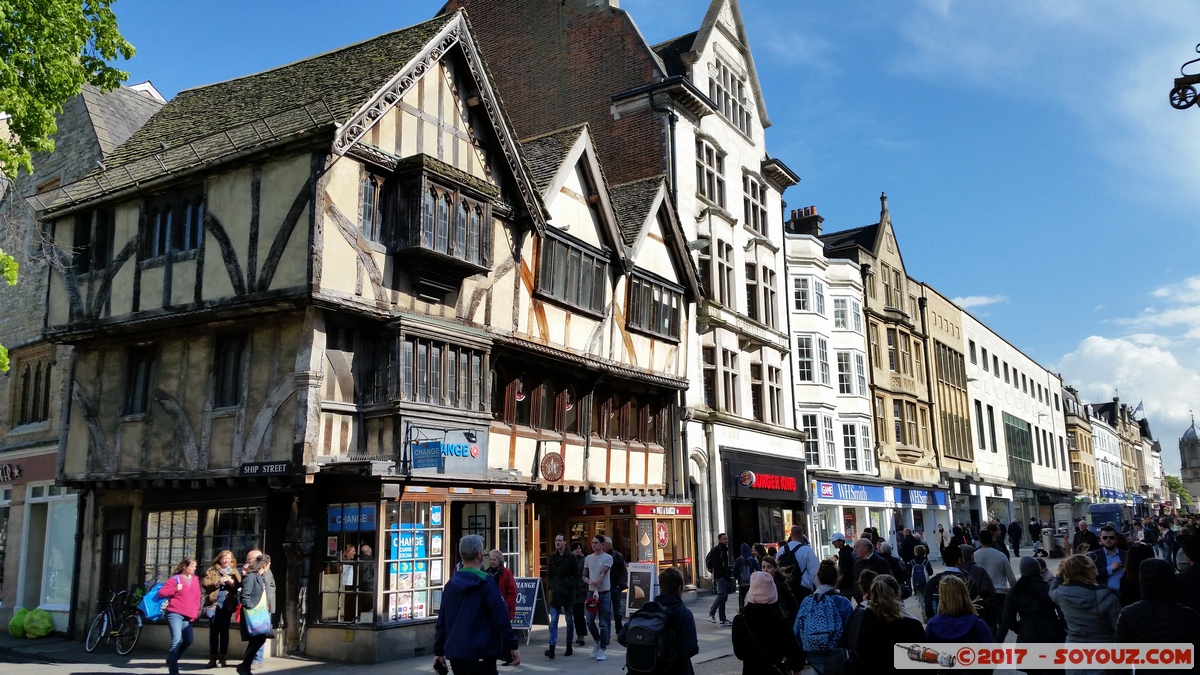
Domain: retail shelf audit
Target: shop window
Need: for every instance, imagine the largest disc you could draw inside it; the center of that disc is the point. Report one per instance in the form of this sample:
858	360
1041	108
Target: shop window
414	565
509	542
170	536
348	576
234	529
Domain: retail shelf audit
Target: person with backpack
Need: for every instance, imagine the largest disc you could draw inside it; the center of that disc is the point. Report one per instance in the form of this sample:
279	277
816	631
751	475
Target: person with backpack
922	572
873	631
743	568
799	562
1028	610
957	619
1158	616
660	638
762	640
986	602
952	557
1090	610
822	617
717	562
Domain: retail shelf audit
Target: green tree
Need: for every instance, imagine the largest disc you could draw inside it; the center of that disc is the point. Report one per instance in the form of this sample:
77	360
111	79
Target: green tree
1176	487
48	50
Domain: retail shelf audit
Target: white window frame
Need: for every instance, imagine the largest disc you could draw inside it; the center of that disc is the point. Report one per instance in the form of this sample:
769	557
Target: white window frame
830	442
63	495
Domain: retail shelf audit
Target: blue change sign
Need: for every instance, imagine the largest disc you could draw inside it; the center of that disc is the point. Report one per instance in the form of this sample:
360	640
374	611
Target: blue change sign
427	455
351	519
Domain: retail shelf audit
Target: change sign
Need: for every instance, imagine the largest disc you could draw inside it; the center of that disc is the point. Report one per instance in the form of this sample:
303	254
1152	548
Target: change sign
529	609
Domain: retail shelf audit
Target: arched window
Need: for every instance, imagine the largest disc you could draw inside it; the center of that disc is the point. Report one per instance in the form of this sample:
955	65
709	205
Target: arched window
36	395
570	410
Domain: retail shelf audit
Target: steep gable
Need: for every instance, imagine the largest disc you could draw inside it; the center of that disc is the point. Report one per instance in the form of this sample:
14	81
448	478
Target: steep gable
653	233
725	16
577	192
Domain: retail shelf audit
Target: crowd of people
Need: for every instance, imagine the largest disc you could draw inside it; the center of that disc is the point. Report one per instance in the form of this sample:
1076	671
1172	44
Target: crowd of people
846	613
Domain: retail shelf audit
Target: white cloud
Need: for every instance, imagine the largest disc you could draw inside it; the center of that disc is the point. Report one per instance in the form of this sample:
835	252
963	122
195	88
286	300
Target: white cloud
1102	367
971	301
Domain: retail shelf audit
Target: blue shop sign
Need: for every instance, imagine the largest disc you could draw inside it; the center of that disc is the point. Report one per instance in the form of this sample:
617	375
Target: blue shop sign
849	492
351	519
923	498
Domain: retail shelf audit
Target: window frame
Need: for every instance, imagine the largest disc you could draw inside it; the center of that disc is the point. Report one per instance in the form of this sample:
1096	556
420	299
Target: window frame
138	390
554	277
173	223
653	304
710	172
229	359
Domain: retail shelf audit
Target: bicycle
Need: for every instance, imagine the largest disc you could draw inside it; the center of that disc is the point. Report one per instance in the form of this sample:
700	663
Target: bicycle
116	621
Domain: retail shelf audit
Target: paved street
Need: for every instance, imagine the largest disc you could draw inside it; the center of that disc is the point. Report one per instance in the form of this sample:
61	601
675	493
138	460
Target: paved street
56	656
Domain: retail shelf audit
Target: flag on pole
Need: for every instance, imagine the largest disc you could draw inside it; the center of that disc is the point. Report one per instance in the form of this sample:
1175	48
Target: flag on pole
1138	409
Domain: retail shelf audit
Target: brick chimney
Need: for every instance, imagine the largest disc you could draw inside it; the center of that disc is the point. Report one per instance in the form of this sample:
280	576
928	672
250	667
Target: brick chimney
805	221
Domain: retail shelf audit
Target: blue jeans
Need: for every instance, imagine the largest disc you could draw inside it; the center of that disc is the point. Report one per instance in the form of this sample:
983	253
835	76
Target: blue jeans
604	616
722	588
554	612
181	639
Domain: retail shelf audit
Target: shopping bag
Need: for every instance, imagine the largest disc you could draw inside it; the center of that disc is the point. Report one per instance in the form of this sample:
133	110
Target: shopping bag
257	618
152	606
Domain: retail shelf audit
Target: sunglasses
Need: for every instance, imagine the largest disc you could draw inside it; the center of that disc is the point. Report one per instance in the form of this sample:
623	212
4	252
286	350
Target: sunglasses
1109	538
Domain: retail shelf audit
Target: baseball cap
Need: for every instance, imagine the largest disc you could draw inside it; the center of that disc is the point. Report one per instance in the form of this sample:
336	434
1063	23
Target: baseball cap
837	536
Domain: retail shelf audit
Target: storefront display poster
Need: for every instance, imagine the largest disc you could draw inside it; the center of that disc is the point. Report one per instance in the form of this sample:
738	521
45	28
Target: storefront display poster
643	585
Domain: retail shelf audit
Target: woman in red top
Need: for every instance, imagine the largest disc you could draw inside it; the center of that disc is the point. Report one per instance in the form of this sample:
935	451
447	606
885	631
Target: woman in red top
183	594
508	585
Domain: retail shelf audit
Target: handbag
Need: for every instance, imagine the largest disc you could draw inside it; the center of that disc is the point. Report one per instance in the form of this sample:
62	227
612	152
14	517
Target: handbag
257	618
841	659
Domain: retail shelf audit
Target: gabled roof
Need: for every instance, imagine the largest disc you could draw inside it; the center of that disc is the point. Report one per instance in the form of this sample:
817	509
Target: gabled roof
581	150
118	114
704	35
632	202
671	52
545	153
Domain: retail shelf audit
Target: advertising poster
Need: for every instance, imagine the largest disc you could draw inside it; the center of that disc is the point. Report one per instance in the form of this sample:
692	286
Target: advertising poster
643	586
529	595
645	540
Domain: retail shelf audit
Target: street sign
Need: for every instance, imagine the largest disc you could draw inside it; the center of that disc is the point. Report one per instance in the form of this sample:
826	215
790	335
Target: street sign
427	455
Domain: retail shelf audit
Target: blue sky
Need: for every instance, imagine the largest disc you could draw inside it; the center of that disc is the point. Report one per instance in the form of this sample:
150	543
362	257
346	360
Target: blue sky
1030	157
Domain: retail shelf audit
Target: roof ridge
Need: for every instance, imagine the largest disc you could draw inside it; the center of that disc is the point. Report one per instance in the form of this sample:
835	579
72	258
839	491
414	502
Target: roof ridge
664	43
555	132
655	177
444	18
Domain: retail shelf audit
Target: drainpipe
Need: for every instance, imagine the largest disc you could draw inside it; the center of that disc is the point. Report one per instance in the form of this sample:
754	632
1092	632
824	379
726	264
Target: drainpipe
673	119
80	510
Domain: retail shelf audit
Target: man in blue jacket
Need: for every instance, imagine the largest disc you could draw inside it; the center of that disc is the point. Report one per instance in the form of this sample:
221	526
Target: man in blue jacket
681	624
472	624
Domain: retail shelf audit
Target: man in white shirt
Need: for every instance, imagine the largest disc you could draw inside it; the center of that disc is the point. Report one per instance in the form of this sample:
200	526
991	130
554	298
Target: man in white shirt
595	572
806	563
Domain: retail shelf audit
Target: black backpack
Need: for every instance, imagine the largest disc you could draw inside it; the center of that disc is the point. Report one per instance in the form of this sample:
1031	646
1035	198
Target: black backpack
649	640
932	595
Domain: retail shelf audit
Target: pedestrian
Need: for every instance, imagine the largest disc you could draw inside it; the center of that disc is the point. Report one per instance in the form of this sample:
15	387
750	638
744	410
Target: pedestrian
1014	537
596	571
762	639
908	542
787	602
867	559
873	631
269	579
581	593
1157	617
254	588
1090	610
996	564
681	625
366	580
504	580
1035	535
743	568
717	561
981	583
845	564
956	619
1110	561
221	582
798	561
562	570
1183	561
1028	609
958	536
920	574
1189	578
349	590
899	569
473	629
941	539
620	582
1085	540
822	617
183	595
1130	589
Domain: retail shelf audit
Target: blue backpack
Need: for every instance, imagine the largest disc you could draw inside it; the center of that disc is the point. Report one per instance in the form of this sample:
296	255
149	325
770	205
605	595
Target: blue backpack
920	574
819	622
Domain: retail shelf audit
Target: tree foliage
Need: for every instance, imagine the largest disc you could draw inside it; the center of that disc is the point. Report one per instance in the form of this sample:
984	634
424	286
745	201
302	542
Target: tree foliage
8	272
1176	487
48	50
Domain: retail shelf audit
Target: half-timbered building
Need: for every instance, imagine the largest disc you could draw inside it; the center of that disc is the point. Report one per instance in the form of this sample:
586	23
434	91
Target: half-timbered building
345	321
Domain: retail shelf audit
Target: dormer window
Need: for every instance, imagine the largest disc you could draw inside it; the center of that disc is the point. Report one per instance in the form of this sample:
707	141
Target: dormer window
655	306
573	273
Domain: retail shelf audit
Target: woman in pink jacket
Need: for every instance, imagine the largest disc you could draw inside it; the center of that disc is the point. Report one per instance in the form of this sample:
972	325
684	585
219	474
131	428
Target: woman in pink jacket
183	593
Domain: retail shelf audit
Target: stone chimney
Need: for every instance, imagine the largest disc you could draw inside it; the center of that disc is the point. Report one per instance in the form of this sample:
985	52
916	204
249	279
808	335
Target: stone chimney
805	221
1116	412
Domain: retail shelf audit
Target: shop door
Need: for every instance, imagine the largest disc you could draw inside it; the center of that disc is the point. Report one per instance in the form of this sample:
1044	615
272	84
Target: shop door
743	525
116	549
472	518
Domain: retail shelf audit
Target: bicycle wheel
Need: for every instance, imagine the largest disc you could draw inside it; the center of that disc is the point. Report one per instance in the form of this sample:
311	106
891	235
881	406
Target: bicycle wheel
98	630
127	637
